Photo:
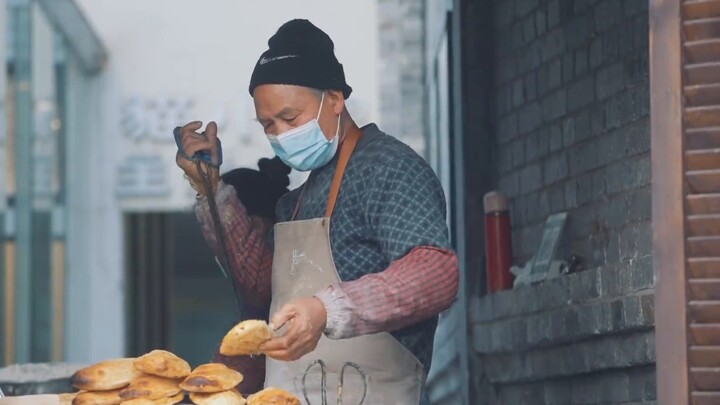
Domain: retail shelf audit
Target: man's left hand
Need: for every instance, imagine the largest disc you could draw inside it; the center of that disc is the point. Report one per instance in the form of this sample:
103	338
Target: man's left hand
305	320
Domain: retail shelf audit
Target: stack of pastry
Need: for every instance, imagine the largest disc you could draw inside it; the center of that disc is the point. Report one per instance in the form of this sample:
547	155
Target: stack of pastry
151	379
160	377
273	396
214	384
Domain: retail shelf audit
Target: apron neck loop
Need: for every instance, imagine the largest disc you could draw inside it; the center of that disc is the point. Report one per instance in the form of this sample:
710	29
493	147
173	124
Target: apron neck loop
346	150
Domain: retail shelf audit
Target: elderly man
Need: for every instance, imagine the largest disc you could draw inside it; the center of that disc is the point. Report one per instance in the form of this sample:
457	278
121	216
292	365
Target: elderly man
359	265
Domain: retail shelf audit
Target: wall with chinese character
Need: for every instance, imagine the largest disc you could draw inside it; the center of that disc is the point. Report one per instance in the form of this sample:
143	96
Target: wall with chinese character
174	61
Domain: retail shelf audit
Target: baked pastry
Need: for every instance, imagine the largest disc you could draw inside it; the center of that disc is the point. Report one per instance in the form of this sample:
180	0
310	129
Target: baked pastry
162	364
273	396
162	401
151	387
138	401
212	377
67	399
245	338
111	397
106	375
230	397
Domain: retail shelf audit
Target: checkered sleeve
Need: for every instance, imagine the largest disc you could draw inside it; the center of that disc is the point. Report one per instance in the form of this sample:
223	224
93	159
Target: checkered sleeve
248	252
405	208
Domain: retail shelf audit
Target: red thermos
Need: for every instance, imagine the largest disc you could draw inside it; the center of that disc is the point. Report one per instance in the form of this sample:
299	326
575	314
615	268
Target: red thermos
498	250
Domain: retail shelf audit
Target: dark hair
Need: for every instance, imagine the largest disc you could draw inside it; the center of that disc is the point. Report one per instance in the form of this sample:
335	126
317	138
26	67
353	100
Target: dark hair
259	191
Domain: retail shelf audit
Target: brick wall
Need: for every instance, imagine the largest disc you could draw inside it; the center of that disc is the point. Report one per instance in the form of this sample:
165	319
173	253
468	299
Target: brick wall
572	107
571	131
402	90
587	338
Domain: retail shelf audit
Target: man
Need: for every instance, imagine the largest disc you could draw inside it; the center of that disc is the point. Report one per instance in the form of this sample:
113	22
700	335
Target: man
359	265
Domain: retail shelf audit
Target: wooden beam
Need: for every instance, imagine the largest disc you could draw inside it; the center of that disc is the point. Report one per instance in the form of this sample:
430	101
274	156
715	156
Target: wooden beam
667	204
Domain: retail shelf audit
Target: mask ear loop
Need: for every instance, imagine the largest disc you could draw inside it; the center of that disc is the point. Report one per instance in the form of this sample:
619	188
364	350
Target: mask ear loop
322	101
337	130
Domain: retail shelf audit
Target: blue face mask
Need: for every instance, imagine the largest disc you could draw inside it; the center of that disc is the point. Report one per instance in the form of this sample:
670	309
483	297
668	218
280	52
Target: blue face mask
306	147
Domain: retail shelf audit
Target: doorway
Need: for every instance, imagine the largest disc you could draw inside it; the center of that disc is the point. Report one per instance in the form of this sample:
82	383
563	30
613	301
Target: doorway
178	299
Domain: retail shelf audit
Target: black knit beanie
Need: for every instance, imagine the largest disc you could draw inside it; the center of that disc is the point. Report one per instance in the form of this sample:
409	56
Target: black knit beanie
300	54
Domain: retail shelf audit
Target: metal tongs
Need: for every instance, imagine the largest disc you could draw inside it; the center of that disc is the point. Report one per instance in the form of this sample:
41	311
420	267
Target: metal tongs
323	385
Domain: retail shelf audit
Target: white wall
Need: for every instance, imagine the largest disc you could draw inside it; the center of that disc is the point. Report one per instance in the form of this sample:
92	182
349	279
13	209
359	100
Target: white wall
94	277
198	50
205	50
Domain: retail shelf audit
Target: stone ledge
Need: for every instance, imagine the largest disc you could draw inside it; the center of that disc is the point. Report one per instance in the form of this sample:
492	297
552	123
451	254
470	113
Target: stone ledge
565	325
586	286
589	356
620	386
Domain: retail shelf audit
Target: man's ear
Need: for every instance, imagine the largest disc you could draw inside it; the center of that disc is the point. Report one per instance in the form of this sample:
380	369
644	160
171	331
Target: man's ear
337	101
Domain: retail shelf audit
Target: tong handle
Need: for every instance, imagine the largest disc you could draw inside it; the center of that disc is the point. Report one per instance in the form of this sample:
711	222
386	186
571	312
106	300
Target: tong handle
323	382
342	377
323	388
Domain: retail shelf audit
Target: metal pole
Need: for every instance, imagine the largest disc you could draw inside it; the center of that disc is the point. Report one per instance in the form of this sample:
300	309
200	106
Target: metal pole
458	135
4	177
21	17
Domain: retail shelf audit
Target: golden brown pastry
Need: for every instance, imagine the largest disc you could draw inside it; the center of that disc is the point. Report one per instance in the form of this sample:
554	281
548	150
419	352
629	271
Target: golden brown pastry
171	400
138	401
151	387
231	397
106	375
162	401
213	377
245	338
111	397
163	364
273	396
67	399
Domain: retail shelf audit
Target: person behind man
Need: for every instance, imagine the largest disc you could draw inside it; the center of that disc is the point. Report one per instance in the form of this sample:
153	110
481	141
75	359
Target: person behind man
259	192
359	264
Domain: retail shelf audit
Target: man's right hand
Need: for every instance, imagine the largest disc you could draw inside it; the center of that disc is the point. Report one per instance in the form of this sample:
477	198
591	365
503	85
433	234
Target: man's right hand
193	142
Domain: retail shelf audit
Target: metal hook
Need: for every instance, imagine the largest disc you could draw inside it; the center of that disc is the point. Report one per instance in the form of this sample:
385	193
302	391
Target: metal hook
323	390
342	377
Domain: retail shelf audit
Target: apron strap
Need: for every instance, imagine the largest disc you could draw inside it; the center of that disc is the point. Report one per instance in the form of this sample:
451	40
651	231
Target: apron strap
297	204
346	150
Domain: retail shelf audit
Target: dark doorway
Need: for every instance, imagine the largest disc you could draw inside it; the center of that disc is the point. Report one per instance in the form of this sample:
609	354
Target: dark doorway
177	297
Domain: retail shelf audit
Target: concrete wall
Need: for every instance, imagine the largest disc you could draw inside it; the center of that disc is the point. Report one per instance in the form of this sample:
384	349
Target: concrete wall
570	117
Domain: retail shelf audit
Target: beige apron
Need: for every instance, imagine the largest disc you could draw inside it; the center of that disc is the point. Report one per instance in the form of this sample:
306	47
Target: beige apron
302	266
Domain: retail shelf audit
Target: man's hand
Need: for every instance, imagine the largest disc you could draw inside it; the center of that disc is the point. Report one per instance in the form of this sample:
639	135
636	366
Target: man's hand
193	142
305	319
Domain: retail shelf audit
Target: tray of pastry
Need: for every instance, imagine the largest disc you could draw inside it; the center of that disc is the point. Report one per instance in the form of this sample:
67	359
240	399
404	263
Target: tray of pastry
163	378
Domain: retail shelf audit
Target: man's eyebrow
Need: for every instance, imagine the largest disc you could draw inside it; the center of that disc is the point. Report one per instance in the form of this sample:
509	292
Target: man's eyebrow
287	111
283	113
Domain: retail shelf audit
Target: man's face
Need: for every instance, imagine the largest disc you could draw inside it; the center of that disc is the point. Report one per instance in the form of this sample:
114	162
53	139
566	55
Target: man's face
282	107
